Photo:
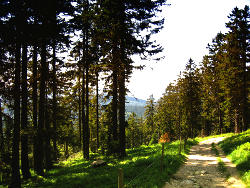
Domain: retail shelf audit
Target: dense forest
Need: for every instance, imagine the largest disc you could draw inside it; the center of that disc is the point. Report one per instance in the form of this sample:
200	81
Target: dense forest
55	54
212	97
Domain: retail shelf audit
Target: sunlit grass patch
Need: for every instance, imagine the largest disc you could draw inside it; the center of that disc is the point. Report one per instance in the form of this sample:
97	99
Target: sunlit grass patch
237	148
141	167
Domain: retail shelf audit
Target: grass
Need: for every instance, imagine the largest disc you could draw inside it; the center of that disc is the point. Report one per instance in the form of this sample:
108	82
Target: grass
237	148
141	168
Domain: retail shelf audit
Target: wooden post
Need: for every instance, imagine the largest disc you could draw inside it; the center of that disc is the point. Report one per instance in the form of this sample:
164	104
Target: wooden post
120	178
162	156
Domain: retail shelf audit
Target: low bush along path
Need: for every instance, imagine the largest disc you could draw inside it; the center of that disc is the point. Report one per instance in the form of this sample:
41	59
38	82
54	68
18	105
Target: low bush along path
202	170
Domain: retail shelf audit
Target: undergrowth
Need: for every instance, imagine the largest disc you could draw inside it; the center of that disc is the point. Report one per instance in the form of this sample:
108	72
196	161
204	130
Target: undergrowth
237	148
141	168
215	150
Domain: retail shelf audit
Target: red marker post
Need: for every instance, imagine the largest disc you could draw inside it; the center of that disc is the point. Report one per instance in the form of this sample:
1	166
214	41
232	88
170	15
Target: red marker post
163	139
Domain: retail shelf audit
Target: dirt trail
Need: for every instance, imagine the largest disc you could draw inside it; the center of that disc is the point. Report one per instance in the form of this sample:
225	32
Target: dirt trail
201	171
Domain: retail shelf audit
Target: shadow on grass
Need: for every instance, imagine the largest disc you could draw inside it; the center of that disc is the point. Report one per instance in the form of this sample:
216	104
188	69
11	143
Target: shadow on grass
141	167
231	143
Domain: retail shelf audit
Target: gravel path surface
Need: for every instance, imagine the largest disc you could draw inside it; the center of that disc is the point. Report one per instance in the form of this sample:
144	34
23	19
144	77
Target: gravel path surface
201	169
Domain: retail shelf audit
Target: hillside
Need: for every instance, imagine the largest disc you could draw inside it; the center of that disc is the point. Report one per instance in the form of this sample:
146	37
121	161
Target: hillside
135	105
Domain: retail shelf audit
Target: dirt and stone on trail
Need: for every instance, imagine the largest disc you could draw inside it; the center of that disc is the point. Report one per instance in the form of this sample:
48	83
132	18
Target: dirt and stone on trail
201	169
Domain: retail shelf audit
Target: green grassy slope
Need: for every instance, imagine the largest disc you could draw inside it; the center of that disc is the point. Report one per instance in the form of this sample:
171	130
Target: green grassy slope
141	169
237	148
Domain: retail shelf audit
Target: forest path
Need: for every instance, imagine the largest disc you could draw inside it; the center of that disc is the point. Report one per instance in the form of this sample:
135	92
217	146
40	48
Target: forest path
201	169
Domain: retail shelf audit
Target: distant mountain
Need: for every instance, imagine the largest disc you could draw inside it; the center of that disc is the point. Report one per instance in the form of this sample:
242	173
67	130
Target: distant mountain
135	101
132	105
135	105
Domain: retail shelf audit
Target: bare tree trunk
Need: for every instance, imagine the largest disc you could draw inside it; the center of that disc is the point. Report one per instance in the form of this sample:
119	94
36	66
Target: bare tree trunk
34	112
1	130
24	117
15	178
220	121
85	96
245	119
97	110
122	94
114	103
236	121
41	115
87	132
83	102
54	105
179	124
80	110
87	93
47	146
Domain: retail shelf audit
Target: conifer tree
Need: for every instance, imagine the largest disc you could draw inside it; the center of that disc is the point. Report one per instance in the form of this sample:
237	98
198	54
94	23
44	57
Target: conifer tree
191	99
237	59
121	25
149	118
213	77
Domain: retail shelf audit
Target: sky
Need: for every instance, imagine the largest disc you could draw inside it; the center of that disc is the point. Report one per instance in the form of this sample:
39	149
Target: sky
189	26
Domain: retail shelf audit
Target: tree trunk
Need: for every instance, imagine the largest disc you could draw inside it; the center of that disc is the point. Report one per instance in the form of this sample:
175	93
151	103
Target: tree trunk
114	103
86	127
245	120
245	60
24	117
47	146
47	138
207	127
87	132
8	134
83	109
236	121
97	110
34	112
85	92
122	94
114	107
220	121
41	116
15	178
54	105
1	131
180	132
80	110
